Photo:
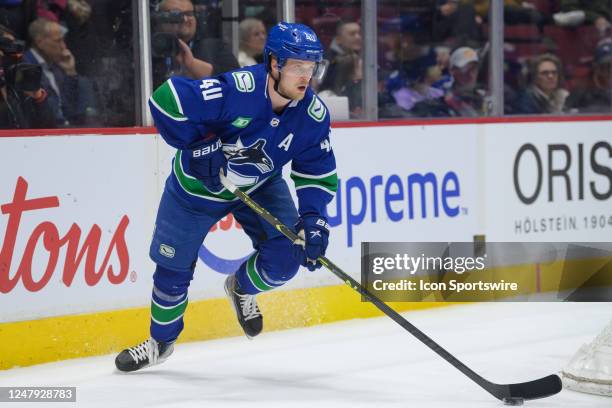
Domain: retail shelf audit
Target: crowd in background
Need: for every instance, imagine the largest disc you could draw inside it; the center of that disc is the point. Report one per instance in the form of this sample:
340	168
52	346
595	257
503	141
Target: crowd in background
73	63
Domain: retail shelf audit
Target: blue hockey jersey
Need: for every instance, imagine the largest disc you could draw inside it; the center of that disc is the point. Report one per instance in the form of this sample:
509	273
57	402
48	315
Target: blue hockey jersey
236	107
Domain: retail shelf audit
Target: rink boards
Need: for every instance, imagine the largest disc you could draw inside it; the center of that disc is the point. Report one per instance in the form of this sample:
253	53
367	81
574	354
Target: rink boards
78	212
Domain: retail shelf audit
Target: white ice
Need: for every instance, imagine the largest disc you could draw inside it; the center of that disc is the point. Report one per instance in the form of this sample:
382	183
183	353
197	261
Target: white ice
359	363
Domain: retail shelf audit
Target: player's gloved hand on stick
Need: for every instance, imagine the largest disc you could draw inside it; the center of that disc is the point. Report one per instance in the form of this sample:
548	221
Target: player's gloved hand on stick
315	231
205	161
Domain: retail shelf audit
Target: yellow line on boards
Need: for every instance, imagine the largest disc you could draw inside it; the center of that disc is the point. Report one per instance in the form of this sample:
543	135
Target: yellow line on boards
64	337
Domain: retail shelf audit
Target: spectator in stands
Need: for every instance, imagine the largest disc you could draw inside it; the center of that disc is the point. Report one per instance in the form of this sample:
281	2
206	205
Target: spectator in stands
415	84
103	48
346	82
454	23
346	41
52	10
196	57
81	37
465	98
23	103
544	93
70	95
252	41
577	12
595	97
16	15
404	45
61	11
400	39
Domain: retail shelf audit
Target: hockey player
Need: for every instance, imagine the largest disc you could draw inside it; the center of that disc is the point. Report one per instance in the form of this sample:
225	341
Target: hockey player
248	123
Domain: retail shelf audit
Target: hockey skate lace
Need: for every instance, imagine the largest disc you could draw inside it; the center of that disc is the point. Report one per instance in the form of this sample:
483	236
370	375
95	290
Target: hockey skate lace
249	307
144	350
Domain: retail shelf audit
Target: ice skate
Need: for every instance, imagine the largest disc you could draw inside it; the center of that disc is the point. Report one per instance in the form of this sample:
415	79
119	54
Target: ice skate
149	352
245	305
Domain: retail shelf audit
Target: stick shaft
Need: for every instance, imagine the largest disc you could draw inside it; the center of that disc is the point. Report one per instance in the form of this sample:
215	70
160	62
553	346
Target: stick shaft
540	388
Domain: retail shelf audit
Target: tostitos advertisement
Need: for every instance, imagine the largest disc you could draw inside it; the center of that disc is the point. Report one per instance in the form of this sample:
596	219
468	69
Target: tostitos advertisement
75	220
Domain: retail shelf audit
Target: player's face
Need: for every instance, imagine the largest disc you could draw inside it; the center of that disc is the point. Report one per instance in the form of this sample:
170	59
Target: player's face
296	75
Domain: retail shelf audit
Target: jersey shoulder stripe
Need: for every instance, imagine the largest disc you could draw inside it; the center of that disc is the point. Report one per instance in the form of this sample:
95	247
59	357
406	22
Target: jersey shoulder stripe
166	100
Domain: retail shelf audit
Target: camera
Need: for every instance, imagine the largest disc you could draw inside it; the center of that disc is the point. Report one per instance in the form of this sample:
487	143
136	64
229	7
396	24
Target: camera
11	47
18	75
23	77
164	45
167	17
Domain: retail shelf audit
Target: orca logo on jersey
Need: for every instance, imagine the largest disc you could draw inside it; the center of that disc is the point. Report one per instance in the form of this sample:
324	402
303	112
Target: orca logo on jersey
254	155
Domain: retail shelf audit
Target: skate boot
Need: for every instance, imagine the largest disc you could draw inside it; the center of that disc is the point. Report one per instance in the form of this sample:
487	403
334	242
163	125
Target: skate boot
245	305
149	352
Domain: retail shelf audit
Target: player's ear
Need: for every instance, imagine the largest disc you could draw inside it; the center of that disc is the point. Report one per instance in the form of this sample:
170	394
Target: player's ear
273	63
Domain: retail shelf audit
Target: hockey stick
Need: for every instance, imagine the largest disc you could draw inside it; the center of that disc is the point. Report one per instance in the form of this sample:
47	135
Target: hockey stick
510	394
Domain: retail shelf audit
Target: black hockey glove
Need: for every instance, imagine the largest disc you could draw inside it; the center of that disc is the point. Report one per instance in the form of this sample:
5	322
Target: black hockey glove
315	231
205	161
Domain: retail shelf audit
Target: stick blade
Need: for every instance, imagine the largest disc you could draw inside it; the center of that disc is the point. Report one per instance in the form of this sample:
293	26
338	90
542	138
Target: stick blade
540	388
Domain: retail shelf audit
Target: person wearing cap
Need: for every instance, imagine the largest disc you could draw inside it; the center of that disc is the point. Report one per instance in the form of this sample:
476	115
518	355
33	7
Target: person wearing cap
464	65
465	97
595	96
544	93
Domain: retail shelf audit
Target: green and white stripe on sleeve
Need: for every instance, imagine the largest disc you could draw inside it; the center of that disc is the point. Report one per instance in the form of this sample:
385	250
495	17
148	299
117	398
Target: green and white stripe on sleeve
166	100
327	182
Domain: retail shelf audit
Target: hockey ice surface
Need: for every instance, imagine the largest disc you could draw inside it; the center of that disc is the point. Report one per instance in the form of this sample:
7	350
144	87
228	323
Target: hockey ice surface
360	363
